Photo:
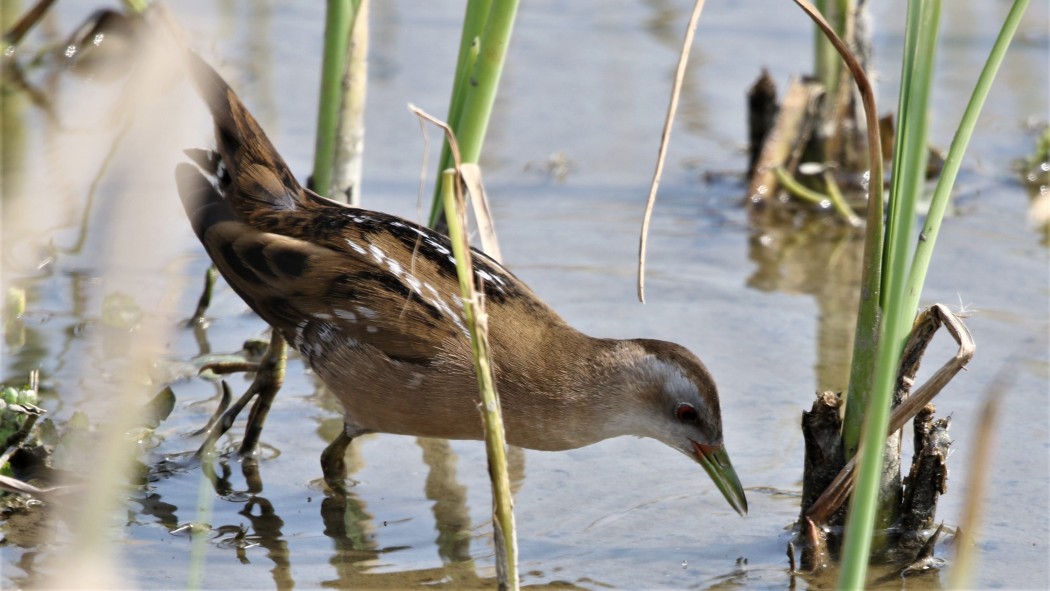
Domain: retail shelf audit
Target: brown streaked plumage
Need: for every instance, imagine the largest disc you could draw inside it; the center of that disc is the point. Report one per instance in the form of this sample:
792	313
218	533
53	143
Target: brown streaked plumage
371	302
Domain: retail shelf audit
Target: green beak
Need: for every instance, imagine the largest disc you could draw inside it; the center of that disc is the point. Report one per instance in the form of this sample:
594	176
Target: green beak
716	463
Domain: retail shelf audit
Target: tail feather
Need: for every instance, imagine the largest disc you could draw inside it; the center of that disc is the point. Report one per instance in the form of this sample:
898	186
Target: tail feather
208	160
258	178
203	204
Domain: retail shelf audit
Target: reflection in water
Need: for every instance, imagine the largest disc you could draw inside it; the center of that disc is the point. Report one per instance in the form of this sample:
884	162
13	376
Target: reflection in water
153	506
817	256
451	513
267	527
357	554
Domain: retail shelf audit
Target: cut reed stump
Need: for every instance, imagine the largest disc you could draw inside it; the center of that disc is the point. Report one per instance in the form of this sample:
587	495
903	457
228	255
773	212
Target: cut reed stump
828	477
762	109
782	138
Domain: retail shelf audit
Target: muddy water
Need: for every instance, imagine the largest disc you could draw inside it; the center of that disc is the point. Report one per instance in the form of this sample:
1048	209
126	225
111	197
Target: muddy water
768	309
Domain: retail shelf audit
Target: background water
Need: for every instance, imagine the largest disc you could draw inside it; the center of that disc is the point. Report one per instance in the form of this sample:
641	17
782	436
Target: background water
766	308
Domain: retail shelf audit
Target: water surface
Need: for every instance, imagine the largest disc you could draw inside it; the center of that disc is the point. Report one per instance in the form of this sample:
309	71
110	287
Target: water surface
766	308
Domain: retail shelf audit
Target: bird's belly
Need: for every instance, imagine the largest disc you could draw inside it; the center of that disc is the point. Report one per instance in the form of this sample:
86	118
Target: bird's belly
387	396
405	399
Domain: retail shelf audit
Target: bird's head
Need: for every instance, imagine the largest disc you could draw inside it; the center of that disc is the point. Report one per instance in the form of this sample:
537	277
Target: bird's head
680	408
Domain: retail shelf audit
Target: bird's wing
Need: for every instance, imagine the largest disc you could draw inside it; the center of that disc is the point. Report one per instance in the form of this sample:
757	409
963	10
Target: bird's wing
318	298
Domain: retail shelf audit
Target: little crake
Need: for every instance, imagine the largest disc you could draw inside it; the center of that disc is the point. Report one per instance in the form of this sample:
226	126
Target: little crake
371	302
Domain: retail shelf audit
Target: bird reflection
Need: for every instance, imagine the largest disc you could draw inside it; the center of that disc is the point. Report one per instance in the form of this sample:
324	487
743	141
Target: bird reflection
451	513
267	527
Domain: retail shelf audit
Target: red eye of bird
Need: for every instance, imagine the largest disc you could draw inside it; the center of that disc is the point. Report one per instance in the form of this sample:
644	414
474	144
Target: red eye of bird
686	413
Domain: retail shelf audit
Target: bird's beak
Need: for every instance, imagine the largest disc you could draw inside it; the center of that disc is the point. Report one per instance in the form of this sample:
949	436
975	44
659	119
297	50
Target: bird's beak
716	463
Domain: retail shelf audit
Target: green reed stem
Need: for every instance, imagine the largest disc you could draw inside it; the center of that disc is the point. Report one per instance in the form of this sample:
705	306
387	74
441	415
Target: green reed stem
908	177
905	297
826	64
909	169
495	441
931	228
469	43
339	21
478	71
873	410
834	196
865	347
838	200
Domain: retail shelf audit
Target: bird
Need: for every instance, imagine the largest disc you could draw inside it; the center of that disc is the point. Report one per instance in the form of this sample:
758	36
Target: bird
371	302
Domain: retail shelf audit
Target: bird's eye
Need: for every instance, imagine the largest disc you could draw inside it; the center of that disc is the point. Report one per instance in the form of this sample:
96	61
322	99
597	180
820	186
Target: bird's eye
686	413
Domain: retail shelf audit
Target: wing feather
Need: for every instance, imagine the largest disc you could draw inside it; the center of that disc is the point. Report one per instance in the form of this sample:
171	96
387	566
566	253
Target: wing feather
319	298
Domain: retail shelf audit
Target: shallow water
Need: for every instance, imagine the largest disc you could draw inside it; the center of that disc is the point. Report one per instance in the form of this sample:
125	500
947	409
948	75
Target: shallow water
762	306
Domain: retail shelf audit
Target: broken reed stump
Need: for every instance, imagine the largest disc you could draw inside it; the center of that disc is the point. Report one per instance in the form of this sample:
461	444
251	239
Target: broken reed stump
825	458
827	480
762	109
785	140
908	539
926	482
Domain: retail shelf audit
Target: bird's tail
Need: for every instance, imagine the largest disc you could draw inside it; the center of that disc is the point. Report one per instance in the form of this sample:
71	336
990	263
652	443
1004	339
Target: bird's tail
246	169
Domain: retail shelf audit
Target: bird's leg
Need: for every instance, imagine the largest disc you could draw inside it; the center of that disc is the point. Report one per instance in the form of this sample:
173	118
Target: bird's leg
333	461
269	380
205	299
224	403
226	421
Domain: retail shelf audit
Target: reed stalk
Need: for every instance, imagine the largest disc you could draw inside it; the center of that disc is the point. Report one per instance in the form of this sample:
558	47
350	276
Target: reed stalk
487	27
868	406
339	22
931	228
902	292
348	159
477	13
495	441
826	64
